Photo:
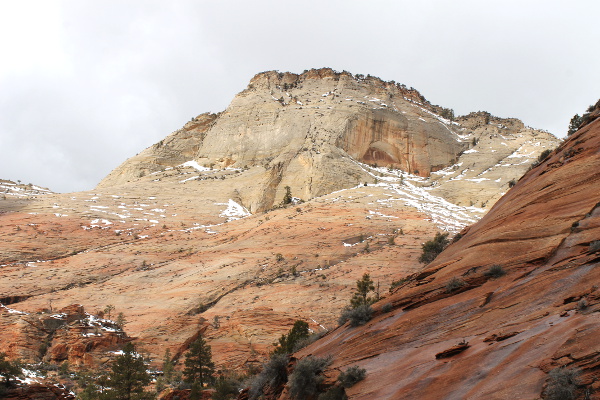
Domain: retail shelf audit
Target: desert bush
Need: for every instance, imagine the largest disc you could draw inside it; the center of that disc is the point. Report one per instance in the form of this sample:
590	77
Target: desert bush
562	384
273	374
397	283
302	343
544	154
512	183
454	284
595	246
386	308
351	376
226	388
495	271
432	248
357	316
335	393
306	377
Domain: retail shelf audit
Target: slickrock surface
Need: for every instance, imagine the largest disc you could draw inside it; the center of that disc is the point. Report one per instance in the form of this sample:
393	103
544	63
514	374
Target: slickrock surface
189	237
542	314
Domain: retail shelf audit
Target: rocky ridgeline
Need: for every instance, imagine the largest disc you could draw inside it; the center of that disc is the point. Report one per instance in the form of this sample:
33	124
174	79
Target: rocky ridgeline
191	235
12	189
307	131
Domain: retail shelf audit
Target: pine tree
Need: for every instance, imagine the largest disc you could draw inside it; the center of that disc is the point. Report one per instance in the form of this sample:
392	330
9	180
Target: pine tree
9	369
168	368
199	367
287	198
363	287
287	343
574	124
128	376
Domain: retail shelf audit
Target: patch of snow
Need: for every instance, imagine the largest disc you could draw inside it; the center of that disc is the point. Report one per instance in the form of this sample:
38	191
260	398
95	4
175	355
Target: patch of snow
194	164
234	211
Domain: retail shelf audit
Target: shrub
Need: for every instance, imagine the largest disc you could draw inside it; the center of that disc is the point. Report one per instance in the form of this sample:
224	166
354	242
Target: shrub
512	183
544	154
454	284
432	248
595	246
397	283
302	343
287	343
9	370
306	377
562	384
495	271
273	374
335	393
387	307
225	388
352	376
357	316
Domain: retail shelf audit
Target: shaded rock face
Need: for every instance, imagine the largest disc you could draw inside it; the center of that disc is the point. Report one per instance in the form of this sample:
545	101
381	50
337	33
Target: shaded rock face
38	391
178	247
307	131
66	335
511	329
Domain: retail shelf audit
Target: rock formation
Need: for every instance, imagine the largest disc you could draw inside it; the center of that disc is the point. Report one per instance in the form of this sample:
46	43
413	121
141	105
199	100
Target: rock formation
190	236
307	131
537	312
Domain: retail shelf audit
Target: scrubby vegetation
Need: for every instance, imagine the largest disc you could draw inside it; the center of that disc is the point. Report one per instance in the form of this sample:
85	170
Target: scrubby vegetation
454	284
304	381
495	271
562	384
357	316
351	376
273	375
359	312
288	342
432	248
9	370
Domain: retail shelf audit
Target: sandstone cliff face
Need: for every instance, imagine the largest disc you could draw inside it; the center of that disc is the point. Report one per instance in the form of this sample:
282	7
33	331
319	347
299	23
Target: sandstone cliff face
495	337
172	238
306	131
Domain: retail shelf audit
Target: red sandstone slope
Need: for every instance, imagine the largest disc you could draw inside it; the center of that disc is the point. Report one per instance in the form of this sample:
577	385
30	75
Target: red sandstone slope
518	326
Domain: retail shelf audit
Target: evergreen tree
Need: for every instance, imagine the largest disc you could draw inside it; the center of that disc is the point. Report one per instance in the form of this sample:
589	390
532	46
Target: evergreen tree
9	369
287	343
287	199
168	368
574	124
128	376
199	367
363	287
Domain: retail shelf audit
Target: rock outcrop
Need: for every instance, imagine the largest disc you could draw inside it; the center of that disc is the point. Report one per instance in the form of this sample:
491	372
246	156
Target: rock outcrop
175	240
307	132
536	310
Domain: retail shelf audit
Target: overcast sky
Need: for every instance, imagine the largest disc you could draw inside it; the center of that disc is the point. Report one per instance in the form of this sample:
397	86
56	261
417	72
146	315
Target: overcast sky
86	84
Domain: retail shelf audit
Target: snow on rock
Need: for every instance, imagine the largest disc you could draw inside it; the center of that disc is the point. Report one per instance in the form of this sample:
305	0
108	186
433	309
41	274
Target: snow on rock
195	165
233	211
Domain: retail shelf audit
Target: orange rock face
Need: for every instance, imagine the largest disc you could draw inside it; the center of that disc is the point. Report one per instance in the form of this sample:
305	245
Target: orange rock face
541	314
